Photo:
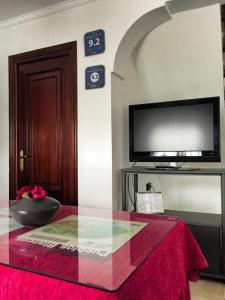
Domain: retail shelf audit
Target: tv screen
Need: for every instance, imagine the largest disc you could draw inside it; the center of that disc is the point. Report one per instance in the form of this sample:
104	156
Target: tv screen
175	131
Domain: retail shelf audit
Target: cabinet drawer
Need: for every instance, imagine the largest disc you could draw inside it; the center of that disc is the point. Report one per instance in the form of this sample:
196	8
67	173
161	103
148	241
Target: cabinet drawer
209	240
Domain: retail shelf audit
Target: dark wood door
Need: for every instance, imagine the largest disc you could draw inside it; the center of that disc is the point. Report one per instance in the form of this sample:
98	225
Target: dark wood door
43	143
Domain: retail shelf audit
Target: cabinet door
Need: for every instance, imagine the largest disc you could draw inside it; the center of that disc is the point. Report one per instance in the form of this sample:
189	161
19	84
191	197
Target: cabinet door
209	240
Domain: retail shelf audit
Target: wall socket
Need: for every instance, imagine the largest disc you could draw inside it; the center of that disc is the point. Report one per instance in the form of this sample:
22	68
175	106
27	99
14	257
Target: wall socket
148	186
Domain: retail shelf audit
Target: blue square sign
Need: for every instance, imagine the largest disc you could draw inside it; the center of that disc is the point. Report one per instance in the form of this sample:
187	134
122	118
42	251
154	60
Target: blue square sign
95	77
94	42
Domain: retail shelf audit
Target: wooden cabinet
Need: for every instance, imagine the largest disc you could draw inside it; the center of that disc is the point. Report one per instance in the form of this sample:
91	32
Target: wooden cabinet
207	230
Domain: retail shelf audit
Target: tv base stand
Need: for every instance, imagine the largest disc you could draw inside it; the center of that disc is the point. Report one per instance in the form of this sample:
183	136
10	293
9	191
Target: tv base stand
167	167
208	229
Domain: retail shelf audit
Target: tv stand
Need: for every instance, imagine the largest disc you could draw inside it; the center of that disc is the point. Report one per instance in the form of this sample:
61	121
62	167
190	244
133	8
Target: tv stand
208	229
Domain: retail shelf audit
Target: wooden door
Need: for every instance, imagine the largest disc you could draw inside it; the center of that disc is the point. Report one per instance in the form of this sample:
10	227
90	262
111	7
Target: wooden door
43	104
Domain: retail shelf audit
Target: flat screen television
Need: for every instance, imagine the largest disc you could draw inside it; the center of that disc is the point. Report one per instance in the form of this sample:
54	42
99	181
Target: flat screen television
175	131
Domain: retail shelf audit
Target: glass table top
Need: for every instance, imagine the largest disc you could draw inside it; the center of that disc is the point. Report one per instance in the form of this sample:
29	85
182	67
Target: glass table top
94	247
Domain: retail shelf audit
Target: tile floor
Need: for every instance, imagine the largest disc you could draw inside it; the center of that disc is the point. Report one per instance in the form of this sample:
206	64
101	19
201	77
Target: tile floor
207	290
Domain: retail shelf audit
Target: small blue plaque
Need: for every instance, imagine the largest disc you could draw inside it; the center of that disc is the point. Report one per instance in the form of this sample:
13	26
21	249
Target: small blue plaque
94	42
95	77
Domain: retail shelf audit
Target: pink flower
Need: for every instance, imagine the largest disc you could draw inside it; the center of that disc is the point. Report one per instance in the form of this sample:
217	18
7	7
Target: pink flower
29	192
38	192
23	192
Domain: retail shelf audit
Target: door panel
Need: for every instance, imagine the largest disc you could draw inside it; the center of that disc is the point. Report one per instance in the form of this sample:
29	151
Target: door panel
43	121
44	146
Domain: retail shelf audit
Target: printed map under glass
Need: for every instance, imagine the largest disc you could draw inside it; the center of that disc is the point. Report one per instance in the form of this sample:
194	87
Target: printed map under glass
84	234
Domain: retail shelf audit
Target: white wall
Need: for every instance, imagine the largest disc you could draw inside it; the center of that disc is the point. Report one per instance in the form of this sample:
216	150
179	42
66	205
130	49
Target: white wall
182	59
94	106
125	91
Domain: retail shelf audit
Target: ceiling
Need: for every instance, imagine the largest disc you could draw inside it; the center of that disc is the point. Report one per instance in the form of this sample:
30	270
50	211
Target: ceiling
10	9
13	8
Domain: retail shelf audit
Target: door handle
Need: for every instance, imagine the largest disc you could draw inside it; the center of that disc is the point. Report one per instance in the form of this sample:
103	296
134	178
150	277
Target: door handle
22	157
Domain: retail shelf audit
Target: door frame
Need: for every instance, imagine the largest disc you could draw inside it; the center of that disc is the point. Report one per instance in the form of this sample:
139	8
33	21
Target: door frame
68	49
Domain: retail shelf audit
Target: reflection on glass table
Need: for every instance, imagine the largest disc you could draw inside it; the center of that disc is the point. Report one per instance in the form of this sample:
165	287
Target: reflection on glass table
93	247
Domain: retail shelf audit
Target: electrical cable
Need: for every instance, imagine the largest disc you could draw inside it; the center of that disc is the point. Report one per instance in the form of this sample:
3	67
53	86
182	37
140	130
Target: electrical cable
179	166
133	174
131	199
153	189
133	164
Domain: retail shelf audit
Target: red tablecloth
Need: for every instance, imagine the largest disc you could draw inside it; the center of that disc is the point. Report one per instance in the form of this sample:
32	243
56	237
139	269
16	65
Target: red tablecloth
164	275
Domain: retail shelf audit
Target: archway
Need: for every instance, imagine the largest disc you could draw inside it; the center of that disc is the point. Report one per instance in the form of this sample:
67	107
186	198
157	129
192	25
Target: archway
125	82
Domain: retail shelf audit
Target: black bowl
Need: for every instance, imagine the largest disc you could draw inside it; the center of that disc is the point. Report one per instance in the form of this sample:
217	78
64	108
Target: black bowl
34	212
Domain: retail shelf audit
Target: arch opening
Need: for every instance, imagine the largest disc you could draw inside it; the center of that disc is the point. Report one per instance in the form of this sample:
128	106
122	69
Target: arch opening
127	76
